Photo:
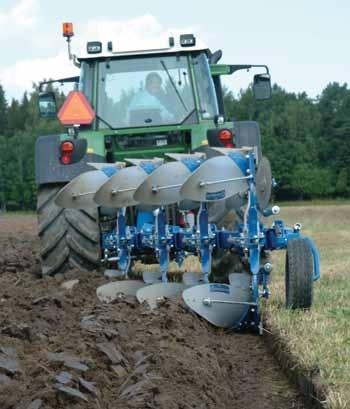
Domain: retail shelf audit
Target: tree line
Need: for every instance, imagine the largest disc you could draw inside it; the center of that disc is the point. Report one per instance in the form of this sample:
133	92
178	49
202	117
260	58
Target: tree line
306	140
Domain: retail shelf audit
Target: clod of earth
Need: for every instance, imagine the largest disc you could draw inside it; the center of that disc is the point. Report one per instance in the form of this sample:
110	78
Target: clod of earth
68	360
71	392
137	388
9	360
119	371
140	357
64	377
5	380
69	285
17	330
41	300
36	404
90	387
112	353
90	324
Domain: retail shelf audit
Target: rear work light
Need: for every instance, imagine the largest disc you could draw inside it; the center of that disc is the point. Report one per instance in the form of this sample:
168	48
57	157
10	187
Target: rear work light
187	40
67	149
94	47
226	137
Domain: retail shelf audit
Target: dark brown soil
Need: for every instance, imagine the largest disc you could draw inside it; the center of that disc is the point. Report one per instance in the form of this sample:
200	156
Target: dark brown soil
124	356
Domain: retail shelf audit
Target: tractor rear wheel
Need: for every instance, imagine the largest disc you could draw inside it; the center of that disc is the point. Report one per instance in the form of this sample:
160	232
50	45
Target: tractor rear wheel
68	237
299	274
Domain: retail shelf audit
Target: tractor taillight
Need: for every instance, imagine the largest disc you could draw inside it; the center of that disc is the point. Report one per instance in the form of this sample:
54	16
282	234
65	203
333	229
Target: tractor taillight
66	159
67	149
226	137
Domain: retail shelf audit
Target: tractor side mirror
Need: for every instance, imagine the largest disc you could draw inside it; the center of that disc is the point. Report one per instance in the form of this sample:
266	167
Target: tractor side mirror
47	105
262	86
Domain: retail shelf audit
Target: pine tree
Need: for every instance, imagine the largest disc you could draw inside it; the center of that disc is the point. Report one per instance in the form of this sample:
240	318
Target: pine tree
3	112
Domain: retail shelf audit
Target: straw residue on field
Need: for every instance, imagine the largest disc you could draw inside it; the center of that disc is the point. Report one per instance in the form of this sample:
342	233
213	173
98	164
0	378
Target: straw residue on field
319	339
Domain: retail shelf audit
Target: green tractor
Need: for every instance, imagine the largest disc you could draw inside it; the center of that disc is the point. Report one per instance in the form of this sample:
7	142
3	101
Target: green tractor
136	104
151	170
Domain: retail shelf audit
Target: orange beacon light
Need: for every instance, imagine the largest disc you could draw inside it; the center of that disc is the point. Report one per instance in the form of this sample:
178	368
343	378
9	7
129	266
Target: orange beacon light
67	29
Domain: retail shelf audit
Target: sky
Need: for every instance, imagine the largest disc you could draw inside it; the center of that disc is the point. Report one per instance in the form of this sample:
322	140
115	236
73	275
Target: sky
305	43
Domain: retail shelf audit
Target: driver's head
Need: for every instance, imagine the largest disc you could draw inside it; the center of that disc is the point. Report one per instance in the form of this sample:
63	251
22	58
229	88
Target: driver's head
153	83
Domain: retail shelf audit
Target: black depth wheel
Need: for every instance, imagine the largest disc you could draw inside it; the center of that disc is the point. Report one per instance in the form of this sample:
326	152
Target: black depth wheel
299	274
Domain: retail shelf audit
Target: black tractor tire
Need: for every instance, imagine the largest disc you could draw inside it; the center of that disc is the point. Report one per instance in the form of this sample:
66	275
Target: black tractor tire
69	238
299	274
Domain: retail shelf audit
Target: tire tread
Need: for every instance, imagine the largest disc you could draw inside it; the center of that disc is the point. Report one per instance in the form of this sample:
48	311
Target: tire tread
299	274
68	237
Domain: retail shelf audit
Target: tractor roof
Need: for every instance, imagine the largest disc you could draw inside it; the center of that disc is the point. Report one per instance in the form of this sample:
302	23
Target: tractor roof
96	49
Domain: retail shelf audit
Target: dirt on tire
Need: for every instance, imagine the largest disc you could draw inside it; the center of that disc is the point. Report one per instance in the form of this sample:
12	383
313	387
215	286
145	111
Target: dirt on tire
62	348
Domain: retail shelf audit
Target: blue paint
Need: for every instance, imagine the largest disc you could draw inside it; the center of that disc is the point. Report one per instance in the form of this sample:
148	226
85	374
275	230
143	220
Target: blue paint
316	257
161	243
144	218
205	244
212	196
122	245
149	167
219	288
110	170
192	164
239	160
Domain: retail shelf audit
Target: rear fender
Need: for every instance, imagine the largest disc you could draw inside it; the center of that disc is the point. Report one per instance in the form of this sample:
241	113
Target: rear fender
246	133
48	167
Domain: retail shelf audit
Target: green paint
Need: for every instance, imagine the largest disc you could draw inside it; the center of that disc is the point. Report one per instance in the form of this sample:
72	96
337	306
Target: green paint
220	69
94	139
198	132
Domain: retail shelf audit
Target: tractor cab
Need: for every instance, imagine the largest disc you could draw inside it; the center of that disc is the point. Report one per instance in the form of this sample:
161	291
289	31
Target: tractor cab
150	91
146	102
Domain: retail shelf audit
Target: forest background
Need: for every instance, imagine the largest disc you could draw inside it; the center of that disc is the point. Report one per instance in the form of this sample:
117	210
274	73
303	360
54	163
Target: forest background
306	141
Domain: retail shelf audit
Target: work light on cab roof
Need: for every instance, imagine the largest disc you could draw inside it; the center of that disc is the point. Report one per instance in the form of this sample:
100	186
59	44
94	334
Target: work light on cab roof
112	48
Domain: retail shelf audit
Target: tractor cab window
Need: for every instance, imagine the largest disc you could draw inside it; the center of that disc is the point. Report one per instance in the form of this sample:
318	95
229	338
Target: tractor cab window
205	85
145	91
86	79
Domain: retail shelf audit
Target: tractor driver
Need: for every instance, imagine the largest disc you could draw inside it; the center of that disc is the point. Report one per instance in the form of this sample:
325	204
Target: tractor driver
147	104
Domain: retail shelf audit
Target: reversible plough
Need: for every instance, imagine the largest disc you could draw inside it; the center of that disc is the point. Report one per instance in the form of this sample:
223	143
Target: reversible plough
194	182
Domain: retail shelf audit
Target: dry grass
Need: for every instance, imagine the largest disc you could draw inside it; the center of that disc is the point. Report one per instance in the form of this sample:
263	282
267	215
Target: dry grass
320	338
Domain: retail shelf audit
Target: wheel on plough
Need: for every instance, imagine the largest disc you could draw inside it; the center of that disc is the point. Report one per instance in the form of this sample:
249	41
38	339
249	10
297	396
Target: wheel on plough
299	274
68	237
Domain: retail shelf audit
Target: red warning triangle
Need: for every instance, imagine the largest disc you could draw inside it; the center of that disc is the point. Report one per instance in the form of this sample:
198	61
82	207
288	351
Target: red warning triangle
76	110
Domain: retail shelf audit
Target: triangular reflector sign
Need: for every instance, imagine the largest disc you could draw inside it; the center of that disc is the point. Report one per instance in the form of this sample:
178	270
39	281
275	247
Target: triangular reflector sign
76	110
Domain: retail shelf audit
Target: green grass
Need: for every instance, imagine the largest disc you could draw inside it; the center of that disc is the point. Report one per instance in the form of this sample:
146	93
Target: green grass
314	202
320	338
18	213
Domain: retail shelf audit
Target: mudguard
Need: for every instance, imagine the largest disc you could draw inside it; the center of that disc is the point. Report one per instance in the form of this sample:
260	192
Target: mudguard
49	169
247	133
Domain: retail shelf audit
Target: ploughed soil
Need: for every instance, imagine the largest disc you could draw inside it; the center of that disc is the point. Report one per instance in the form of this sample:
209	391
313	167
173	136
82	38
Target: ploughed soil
62	348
